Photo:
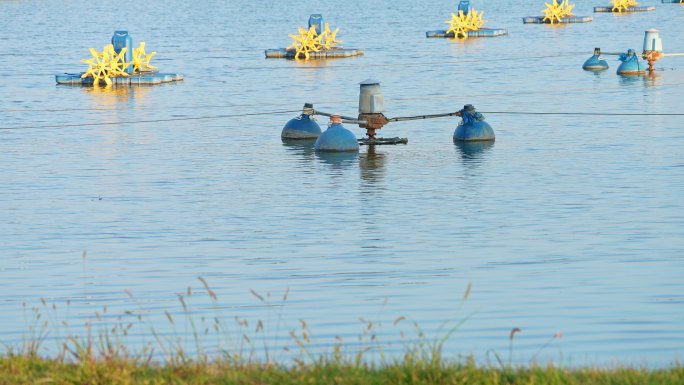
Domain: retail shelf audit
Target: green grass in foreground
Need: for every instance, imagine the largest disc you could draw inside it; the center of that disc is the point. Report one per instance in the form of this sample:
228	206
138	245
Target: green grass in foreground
105	356
31	370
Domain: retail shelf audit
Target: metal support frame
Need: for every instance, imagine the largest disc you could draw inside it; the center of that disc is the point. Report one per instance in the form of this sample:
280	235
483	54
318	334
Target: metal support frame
373	122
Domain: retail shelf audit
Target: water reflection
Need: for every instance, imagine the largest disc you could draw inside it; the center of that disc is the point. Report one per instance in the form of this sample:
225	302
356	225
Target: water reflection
652	79
314	71
115	96
649	79
473	46
312	63
372	165
465	42
598	74
473	153
339	160
371	162
302	148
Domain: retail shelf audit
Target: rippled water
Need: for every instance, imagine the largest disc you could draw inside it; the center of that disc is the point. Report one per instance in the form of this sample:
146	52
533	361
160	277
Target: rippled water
570	224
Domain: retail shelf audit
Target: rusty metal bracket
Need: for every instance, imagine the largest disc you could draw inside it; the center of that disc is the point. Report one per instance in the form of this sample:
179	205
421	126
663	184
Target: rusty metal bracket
373	122
651	57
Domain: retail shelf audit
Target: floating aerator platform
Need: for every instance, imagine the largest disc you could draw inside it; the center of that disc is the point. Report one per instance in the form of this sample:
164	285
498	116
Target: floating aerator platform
119	64
557	13
333	53
467	23
371	117
620	6
673	1
610	9
630	63
562	20
317	42
337	137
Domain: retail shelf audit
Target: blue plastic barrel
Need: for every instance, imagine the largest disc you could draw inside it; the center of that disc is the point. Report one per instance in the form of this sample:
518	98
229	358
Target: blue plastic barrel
473	152
120	40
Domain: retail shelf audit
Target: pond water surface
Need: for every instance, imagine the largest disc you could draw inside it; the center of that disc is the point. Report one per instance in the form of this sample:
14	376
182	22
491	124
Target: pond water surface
566	224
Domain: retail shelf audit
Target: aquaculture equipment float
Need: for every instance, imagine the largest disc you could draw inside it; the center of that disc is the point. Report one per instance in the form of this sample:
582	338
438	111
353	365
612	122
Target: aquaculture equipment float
119	64
630	64
467	23
620	6
557	13
562	20
611	9
316	42
371	117
596	62
133	79
333	53
482	32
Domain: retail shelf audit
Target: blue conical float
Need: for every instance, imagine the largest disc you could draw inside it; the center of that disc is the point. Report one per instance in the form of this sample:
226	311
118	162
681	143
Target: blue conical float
596	62
630	64
472	126
301	127
337	138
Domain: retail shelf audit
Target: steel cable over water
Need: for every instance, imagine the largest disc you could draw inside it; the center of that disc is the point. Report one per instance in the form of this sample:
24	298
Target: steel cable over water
395	119
326	102
354	65
150	120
